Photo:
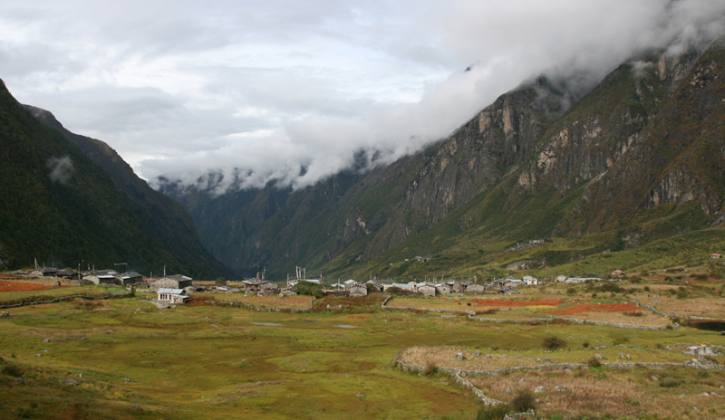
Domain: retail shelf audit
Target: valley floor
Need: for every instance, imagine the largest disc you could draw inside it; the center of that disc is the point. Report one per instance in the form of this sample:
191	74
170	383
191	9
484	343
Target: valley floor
125	358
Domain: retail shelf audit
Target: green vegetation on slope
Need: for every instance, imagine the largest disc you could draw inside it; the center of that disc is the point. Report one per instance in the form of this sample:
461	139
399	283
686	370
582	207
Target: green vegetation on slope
60	207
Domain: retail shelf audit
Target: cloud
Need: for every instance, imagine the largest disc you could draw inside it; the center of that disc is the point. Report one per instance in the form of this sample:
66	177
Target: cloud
61	169
262	90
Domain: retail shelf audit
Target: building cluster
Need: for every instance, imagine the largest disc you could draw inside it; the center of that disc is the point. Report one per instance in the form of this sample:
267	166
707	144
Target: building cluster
505	285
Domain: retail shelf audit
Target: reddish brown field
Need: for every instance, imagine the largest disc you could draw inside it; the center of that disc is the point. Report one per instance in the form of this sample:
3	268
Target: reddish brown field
594	307
516	303
20	286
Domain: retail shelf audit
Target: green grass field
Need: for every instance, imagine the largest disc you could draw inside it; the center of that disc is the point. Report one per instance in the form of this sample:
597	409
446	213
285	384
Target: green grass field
128	359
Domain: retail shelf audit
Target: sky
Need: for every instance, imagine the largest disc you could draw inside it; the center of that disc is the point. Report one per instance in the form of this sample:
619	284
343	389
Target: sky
290	90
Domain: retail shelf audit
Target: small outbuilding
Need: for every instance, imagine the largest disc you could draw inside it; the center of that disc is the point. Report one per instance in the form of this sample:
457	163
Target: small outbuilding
130	278
102	277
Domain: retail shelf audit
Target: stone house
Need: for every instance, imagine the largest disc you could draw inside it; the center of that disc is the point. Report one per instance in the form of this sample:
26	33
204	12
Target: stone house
358	290
443	289
475	289
130	278
177	281
427	290
268	288
102	277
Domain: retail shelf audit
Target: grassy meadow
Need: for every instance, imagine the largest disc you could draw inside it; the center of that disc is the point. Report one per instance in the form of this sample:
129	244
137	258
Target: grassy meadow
124	358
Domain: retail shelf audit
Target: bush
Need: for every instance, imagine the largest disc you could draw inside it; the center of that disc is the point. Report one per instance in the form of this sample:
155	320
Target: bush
430	369
571	291
553	343
12	370
669	382
309	289
585	344
610	287
634	313
594	363
397	291
496	412
523	401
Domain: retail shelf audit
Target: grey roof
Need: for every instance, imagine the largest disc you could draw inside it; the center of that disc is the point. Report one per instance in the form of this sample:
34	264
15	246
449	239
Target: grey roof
106	272
170	291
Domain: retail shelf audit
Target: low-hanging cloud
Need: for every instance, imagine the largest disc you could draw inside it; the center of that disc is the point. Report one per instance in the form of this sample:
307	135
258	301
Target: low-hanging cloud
61	169
257	91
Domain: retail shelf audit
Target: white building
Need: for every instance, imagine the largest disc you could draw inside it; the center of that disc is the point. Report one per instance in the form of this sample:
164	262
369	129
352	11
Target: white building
173	296
530	280
402	286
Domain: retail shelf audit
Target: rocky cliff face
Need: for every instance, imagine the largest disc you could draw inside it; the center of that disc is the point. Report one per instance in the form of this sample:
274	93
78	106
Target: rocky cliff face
541	160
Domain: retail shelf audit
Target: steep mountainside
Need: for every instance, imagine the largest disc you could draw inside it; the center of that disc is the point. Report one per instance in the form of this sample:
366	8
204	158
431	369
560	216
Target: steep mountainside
639	158
69	199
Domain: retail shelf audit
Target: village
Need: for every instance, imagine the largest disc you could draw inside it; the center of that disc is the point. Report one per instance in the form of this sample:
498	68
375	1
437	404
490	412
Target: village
179	288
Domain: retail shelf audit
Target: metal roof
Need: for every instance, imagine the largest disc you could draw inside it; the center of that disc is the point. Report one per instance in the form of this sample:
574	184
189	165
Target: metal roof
171	291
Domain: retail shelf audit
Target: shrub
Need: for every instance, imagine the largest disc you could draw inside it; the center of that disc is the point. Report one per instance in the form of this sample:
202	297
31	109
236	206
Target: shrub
571	291
646	289
669	382
585	344
12	370
611	287
496	412
309	289
397	291
523	401
594	363
430	369
634	313
553	343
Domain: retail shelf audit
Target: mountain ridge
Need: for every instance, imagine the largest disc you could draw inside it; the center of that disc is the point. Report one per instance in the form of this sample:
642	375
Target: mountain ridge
70	199
563	164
